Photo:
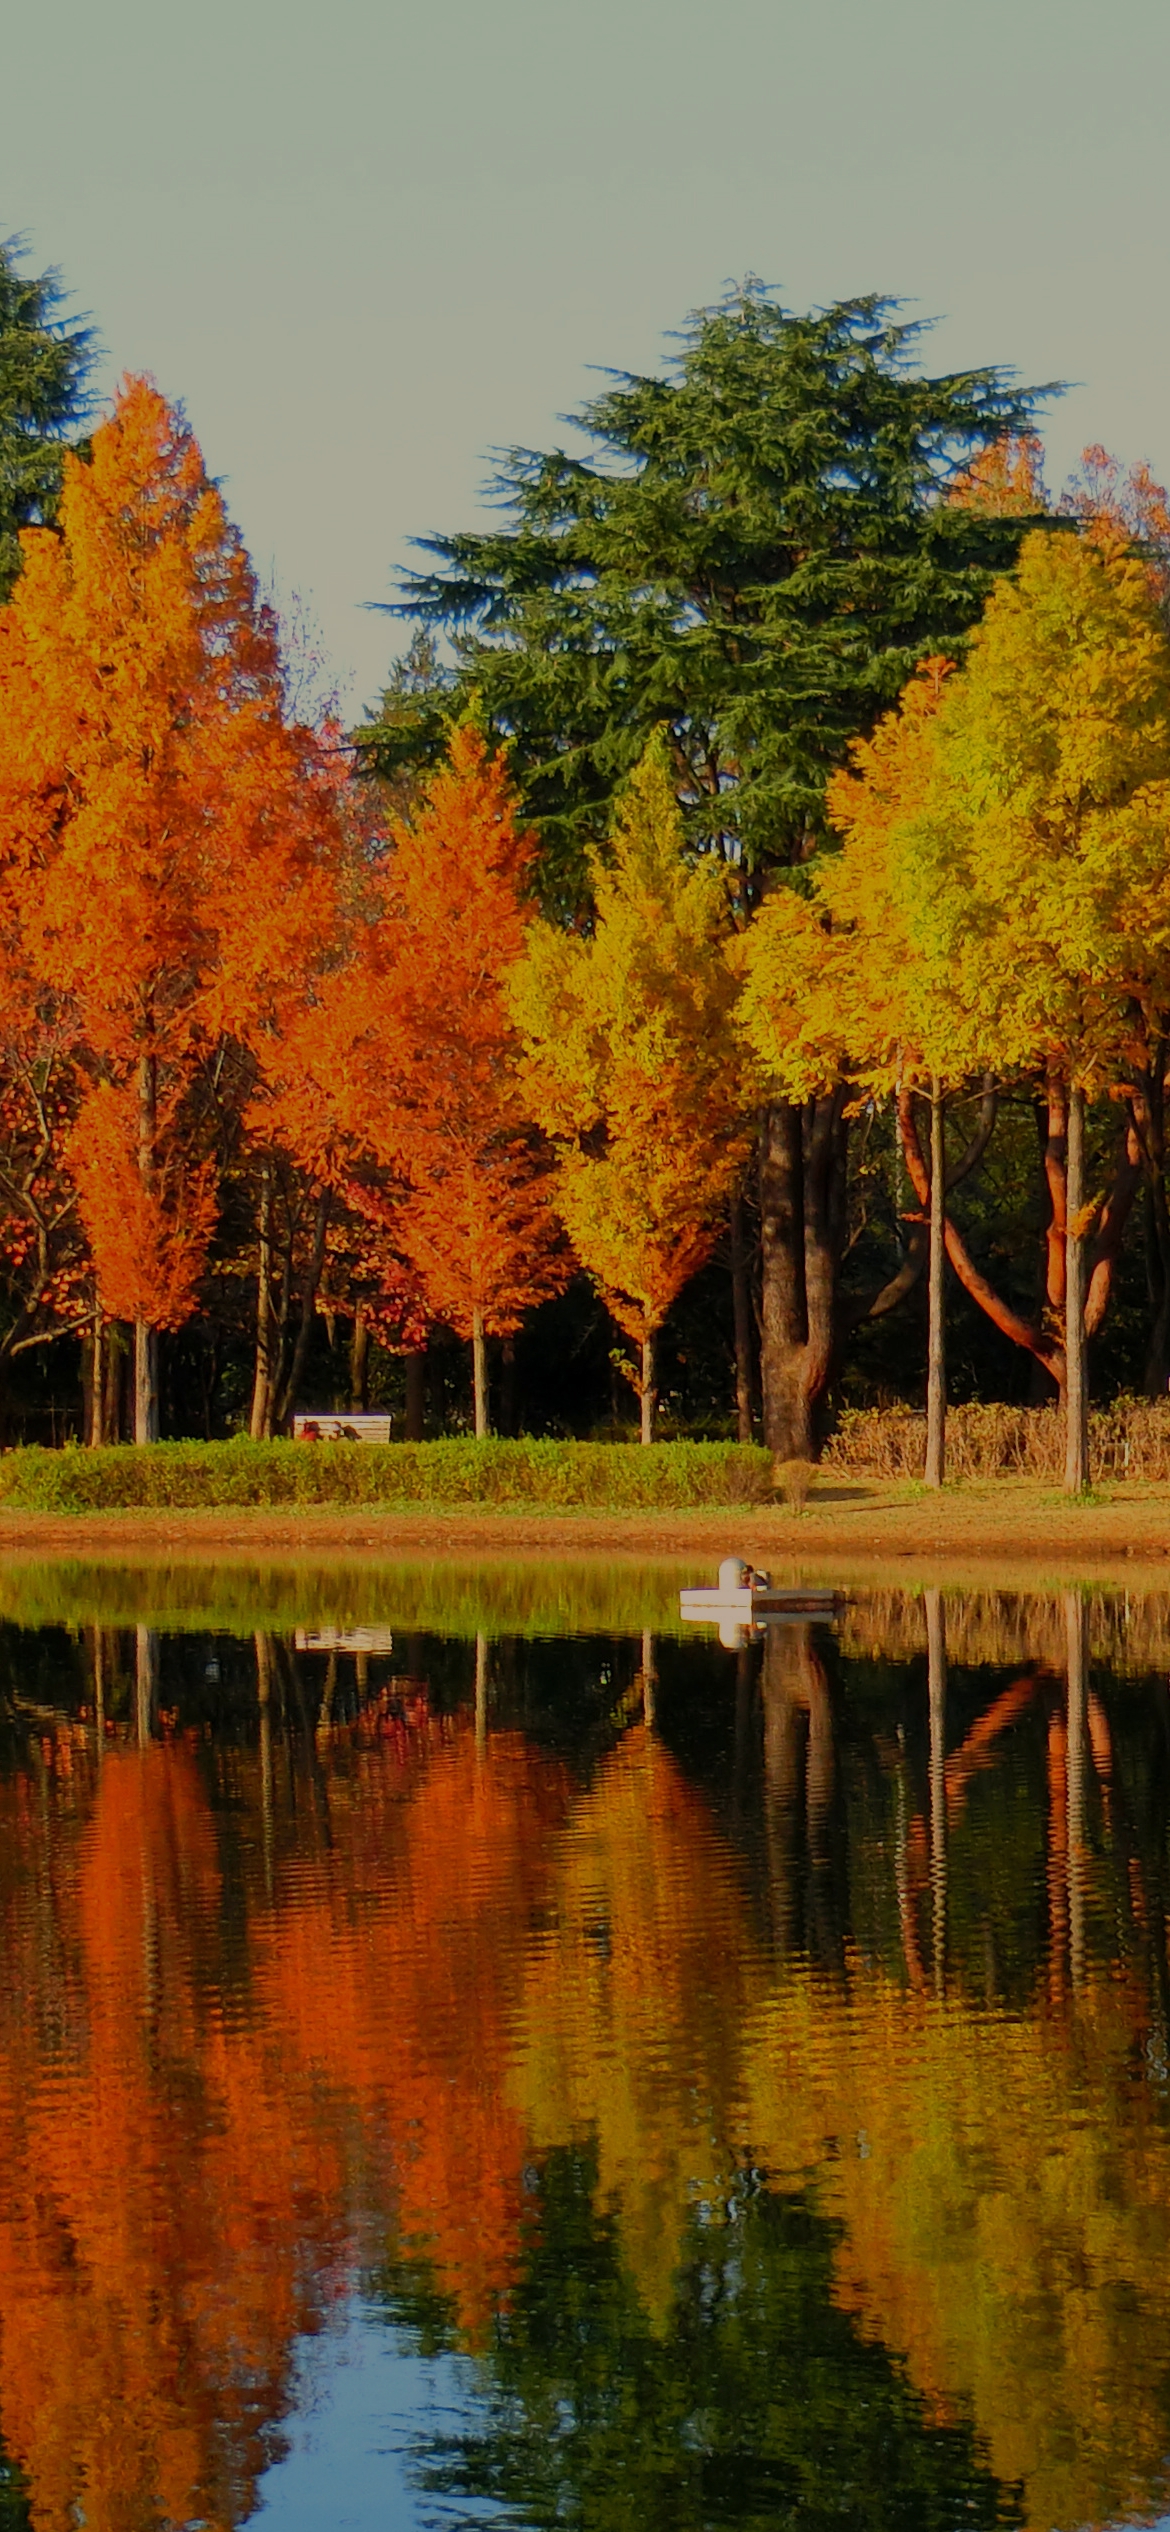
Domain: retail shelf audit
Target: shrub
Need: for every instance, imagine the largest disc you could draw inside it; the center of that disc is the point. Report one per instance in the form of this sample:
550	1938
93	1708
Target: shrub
554	1476
794	1479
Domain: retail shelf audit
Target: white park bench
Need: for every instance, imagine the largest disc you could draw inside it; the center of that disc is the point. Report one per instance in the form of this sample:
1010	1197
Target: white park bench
341	1428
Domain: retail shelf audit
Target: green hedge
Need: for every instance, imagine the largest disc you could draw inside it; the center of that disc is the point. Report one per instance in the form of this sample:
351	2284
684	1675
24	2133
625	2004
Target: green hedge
555	1476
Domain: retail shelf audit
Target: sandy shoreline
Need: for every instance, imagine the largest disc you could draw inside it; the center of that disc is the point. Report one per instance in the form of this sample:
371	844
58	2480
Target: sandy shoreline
1010	1531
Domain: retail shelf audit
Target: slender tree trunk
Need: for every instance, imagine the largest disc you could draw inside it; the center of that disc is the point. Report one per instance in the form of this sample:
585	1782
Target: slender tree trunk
936	1367
741	1302
145	1382
416	1394
479	1374
146	1337
95	1382
1076	1458
784	1329
359	1361
308	1305
262	1385
648	1390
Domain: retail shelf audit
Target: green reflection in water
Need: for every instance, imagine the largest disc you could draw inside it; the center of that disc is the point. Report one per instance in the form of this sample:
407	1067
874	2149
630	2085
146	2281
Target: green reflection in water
14	2498
757	2403
445	1595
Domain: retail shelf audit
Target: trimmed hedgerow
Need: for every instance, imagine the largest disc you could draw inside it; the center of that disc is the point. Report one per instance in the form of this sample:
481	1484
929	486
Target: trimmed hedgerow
555	1476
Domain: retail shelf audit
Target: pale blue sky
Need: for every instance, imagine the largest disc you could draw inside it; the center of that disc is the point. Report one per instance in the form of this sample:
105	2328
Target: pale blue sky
366	244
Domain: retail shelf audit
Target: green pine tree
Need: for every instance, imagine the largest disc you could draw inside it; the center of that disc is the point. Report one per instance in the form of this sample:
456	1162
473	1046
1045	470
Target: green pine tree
44	403
755	553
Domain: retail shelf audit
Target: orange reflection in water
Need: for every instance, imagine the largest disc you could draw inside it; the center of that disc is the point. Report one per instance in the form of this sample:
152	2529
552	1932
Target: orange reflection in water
192	2163
257	2023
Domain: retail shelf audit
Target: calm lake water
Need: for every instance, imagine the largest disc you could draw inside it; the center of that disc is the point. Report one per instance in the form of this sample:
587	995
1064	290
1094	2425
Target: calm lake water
474	2052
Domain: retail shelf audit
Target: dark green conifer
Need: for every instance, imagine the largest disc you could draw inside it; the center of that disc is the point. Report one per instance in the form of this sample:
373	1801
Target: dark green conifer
44	369
755	553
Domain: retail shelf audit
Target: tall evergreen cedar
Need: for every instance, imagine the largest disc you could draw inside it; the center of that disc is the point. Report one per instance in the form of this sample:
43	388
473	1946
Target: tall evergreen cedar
754	556
44	365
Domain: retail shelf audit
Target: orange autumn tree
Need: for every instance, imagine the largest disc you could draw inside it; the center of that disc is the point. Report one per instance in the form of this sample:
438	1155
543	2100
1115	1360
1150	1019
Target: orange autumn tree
167	833
406	1058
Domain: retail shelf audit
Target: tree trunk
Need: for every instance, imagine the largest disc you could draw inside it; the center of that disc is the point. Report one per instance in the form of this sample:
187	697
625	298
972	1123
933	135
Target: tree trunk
802	1241
784	1323
741	1302
262	1385
359	1362
936	1367
95	1383
146	1337
416	1394
145	1382
479	1373
647	1389
1076	1404
1038	1336
312	1285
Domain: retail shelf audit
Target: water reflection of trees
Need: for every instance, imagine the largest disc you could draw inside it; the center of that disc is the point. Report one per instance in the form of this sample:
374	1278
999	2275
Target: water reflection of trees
752	2398
375	1963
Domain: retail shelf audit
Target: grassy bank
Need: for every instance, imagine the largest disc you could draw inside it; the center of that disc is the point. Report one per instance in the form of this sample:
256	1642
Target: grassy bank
217	1476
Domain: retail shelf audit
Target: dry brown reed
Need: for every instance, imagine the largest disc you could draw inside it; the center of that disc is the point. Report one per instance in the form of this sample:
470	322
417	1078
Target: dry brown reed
1131	1438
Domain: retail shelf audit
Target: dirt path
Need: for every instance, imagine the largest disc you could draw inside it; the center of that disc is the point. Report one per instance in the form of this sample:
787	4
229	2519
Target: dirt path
1008	1531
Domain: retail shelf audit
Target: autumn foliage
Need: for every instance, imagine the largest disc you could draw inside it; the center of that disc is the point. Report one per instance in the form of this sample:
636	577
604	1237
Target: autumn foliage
278	1047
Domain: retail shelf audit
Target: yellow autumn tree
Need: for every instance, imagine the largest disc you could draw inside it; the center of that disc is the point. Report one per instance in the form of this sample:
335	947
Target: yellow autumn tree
1003	899
837	987
1036	874
632	1066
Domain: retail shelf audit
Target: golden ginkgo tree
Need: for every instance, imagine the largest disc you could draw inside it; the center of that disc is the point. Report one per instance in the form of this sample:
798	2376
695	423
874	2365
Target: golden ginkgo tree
632	1066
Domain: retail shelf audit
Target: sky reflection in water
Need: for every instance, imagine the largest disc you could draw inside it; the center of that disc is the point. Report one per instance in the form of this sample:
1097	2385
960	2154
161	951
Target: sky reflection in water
494	2077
